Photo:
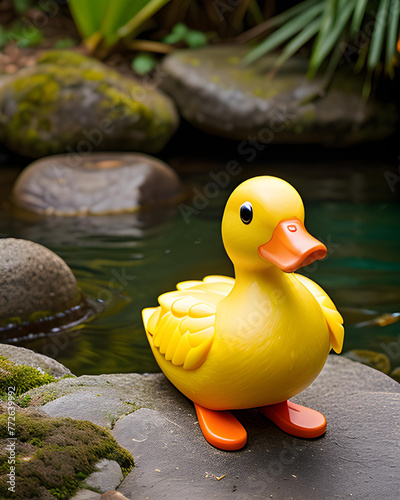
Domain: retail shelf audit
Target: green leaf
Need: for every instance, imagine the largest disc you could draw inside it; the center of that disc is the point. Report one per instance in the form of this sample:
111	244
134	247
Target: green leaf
375	49
284	33
322	48
118	12
32	38
132	26
143	63
103	20
328	19
178	34
195	39
88	15
24	34
180	29
292	12
297	42
358	17
392	34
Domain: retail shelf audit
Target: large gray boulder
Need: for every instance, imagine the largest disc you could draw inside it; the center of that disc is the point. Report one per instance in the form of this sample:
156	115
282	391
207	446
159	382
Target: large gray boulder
34	282
100	183
218	94
69	103
356	458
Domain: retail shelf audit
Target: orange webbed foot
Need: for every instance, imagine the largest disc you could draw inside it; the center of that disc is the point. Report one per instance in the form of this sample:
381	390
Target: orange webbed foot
296	420
221	428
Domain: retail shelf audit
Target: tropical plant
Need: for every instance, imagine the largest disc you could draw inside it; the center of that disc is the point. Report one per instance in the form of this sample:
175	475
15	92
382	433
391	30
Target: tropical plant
364	31
103	23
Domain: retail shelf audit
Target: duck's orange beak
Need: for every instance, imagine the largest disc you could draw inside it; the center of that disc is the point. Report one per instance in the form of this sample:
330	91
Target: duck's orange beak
291	246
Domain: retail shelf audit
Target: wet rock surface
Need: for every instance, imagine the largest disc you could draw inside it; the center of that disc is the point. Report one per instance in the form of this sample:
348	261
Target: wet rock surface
217	93
357	457
22	356
100	183
376	360
71	103
34	282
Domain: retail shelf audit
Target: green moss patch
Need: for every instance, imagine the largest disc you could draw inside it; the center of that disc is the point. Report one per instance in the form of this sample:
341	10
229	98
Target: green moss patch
53	455
21	378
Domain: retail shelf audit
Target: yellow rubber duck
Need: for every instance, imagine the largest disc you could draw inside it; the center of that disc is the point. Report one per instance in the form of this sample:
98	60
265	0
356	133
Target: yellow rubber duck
259	339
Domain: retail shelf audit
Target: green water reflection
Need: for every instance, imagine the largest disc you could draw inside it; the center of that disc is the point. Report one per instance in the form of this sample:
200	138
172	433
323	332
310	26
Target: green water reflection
126	261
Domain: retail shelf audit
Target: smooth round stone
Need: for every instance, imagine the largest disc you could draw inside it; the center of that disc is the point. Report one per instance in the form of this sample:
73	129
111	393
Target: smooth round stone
217	93
70	103
100	183
33	279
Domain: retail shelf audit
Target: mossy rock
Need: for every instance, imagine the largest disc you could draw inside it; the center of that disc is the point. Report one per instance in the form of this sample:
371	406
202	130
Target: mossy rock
69	103
217	93
20	378
44	364
54	455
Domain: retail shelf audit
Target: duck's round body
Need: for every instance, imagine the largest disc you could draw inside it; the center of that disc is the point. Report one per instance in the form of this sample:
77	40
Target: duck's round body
263	337
270	341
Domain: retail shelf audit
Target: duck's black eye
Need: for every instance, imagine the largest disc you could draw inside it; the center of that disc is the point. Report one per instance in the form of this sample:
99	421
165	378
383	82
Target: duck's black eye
246	212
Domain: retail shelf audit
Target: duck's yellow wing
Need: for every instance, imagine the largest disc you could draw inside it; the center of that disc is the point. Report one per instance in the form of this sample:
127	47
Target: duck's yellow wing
332	316
182	327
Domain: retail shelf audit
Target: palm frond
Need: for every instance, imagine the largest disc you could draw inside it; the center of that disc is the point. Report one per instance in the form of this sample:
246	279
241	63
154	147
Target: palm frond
331	23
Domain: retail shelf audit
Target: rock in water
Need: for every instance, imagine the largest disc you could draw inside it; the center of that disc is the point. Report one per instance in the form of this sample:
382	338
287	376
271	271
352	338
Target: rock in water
100	183
218	94
34	281
376	360
71	103
22	356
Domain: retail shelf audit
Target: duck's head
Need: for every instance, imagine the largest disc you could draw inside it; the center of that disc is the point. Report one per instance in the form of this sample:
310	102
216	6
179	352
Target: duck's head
263	225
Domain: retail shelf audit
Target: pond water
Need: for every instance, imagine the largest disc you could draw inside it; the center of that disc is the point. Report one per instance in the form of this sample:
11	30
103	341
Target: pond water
124	262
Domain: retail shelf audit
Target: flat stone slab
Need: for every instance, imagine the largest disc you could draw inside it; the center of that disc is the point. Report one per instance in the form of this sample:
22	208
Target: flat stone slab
101	399
356	458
